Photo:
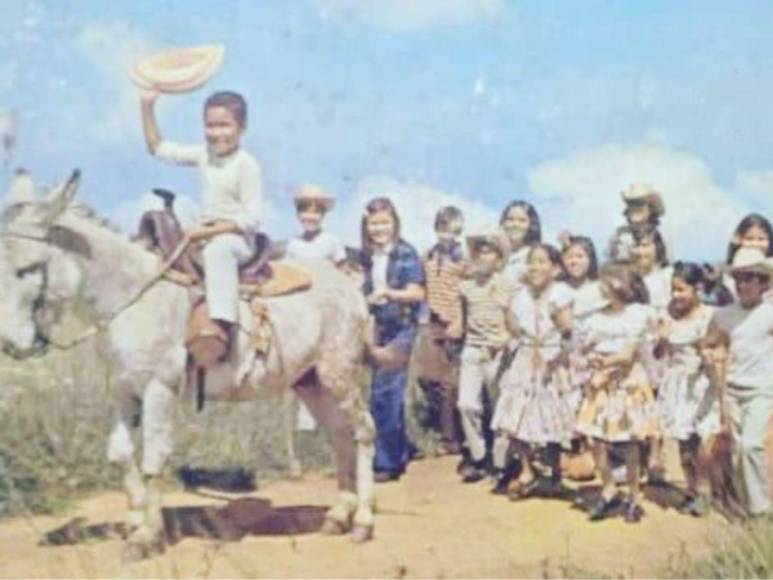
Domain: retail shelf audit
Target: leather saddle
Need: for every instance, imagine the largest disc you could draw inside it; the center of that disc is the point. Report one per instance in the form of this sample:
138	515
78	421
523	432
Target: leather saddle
260	277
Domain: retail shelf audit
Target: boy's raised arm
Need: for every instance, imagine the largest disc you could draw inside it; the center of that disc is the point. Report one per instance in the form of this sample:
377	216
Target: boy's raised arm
149	125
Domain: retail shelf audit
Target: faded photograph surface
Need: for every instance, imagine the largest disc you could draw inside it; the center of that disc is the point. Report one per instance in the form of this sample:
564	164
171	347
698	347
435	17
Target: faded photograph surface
386	288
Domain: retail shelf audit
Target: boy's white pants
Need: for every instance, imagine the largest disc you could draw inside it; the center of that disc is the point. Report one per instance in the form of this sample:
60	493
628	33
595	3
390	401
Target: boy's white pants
477	370
750	411
222	256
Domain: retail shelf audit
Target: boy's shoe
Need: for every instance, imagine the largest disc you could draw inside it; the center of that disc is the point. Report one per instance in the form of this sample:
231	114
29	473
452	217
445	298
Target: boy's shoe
473	472
522	490
694	506
633	512
603	508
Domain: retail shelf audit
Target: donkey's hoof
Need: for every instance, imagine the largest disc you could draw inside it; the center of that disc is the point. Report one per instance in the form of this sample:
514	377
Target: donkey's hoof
333	527
143	544
362	534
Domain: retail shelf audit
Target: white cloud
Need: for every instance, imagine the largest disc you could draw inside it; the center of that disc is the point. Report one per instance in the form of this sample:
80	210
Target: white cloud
112	47
582	192
126	215
757	187
402	15
416	204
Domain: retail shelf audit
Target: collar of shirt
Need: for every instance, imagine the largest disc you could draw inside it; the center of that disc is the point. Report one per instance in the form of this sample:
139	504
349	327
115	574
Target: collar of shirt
221	160
383	250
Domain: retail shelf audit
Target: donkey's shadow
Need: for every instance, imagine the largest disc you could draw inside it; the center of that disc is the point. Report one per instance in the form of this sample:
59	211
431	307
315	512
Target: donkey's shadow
229	523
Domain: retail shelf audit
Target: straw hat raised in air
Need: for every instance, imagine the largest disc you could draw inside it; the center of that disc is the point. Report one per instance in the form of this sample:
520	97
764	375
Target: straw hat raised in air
492	236
179	70
642	193
310	192
751	260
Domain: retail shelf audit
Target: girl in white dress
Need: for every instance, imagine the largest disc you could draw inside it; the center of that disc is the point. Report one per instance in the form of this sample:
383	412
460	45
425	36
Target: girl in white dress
618	405
649	259
687	403
581	276
533	408
521	224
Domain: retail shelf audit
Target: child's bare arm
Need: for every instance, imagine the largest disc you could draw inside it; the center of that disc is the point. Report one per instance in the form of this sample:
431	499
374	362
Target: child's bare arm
149	125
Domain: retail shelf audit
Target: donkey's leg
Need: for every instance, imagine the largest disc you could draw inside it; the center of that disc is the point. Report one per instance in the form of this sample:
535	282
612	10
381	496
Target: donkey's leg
342	411
121	452
157	433
290	409
325	409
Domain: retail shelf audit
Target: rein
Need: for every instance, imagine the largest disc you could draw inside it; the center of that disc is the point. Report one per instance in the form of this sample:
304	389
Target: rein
103	324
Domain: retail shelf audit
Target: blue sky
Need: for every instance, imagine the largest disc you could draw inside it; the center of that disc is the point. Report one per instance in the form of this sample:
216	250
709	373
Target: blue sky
471	101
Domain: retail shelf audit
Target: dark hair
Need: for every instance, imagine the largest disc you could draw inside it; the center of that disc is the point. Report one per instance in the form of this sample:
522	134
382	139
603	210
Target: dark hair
589	248
234	102
534	233
648	231
655	213
305	204
691	273
447	215
376	205
554	255
631	288
750	221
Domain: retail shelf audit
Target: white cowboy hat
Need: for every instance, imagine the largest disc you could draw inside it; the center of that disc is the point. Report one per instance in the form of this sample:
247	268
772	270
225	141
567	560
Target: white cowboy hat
178	70
751	260
311	192
490	235
644	193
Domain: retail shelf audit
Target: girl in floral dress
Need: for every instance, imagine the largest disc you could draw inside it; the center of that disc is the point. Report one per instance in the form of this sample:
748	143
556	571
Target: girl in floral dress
687	403
618	405
649	259
533	408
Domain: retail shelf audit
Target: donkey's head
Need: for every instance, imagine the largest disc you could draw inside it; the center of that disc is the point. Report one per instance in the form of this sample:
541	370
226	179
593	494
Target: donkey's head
38	264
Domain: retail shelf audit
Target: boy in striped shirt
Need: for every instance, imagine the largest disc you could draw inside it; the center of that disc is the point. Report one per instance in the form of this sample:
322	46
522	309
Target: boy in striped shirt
485	298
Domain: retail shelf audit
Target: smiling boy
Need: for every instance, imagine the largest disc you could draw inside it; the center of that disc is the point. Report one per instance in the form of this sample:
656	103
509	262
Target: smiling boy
231	195
749	322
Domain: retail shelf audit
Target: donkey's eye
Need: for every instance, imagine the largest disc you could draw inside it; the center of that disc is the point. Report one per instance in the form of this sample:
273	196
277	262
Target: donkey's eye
26	270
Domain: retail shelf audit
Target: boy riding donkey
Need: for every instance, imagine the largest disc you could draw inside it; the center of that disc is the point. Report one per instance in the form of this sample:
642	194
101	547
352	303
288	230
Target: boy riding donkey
231	197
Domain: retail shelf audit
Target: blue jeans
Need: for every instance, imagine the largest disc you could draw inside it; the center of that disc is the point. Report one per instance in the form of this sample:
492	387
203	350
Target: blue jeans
386	405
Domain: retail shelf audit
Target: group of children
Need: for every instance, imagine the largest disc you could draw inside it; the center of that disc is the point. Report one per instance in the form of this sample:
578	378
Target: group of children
609	359
614	359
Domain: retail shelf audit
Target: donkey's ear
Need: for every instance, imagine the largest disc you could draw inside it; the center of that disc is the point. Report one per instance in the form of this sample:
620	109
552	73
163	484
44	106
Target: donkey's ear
22	189
68	240
61	197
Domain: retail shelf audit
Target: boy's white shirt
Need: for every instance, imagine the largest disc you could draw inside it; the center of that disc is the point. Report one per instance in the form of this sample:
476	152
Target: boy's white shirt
324	246
751	344
231	185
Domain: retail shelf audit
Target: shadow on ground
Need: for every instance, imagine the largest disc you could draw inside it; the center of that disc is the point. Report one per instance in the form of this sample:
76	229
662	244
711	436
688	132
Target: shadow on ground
229	523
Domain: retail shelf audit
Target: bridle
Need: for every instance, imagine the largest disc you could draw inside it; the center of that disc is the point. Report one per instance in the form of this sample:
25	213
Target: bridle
40	305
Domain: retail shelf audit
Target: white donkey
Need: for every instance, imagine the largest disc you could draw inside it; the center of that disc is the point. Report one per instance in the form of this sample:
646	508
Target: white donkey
54	251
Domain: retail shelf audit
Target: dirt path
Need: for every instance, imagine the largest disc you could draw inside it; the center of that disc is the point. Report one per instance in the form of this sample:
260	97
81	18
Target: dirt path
429	525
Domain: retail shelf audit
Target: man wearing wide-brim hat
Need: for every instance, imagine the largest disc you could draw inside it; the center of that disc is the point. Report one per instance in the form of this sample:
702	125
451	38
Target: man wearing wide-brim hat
749	373
643	209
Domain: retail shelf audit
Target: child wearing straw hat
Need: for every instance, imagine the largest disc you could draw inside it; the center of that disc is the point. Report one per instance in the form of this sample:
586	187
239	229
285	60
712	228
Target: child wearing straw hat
485	297
643	207
749	378
312	203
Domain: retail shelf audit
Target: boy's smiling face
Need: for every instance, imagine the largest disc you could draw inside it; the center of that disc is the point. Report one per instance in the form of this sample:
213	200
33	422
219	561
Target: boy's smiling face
310	215
448	233
222	130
